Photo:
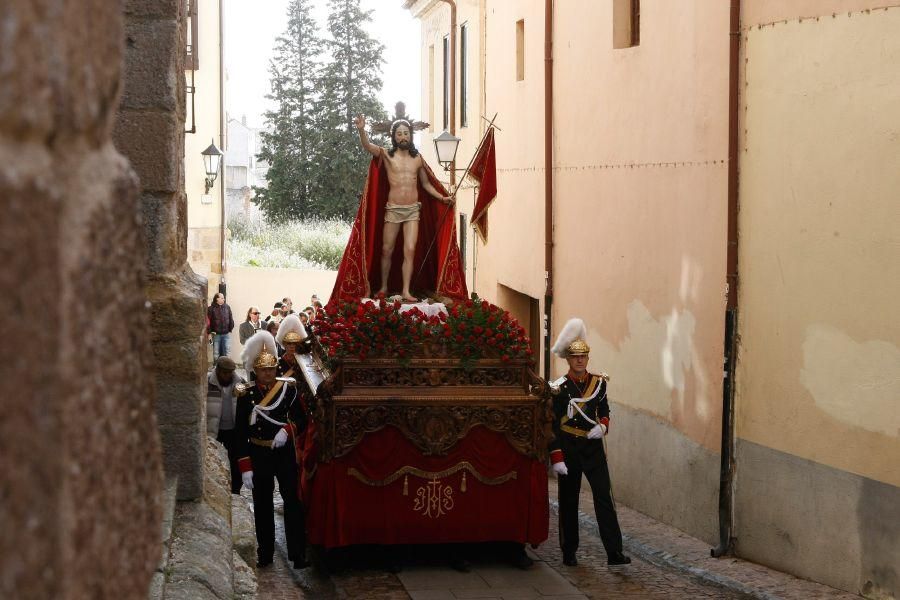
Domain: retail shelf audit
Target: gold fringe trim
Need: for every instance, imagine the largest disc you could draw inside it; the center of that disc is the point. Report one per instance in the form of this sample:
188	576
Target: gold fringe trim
464	466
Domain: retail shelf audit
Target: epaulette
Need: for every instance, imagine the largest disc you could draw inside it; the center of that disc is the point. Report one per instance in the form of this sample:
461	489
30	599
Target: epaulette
241	389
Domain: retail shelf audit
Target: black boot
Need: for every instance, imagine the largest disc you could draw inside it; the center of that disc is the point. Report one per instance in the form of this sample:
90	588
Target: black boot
618	559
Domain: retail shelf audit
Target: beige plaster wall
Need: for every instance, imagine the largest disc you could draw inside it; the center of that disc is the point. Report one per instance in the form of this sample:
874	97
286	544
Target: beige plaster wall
768	12
514	253
263	287
818	381
819	242
204	220
640	236
435	20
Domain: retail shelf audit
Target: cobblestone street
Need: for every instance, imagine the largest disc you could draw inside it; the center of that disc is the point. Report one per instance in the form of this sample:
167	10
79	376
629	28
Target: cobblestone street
666	564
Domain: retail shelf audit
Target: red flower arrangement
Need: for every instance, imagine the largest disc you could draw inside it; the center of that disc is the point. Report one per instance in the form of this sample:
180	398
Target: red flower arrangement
472	330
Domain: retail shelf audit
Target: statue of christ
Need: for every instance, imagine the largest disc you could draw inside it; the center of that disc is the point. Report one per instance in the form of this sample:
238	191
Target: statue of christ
405	169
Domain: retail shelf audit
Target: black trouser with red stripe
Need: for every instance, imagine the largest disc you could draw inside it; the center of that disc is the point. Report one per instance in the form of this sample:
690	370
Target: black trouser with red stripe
597	473
268	465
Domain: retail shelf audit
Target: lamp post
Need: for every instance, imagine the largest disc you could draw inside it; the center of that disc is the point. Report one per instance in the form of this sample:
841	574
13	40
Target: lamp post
212	160
445	146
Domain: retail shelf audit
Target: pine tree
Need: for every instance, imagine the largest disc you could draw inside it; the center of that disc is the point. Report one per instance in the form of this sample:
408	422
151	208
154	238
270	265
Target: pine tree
350	83
291	138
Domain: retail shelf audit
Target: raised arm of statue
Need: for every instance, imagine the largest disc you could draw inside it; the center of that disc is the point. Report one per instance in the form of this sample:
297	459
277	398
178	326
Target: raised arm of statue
368	146
423	179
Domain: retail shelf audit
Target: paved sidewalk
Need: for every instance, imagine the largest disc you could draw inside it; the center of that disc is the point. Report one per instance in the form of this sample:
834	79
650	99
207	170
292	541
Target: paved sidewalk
671	548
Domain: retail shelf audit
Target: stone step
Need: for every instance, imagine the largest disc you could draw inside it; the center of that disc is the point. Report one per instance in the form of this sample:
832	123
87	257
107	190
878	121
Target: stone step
158	582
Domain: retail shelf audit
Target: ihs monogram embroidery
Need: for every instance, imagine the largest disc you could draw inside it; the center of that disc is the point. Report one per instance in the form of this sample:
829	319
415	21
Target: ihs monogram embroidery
433	499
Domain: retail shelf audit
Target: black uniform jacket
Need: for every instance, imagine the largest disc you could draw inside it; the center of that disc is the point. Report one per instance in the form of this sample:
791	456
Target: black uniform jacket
261	433
570	434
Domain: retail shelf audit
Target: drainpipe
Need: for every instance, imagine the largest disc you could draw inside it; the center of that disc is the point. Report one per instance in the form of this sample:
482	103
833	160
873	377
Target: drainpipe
222	140
452	78
548	180
726	472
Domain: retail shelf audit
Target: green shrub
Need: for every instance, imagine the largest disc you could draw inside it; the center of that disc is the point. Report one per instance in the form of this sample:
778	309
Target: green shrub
308	244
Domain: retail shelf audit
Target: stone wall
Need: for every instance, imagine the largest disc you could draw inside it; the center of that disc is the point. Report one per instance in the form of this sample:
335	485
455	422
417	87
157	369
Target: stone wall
79	444
150	132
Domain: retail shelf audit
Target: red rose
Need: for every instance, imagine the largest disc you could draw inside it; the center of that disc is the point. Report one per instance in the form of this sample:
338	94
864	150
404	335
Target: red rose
461	326
460	339
477	330
505	358
469	304
447	333
468	314
485	305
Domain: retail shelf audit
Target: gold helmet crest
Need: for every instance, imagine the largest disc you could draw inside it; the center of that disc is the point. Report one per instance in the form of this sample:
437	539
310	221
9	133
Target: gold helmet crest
260	351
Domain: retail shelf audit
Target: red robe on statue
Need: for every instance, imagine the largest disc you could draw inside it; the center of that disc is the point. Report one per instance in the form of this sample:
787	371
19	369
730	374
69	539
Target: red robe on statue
360	271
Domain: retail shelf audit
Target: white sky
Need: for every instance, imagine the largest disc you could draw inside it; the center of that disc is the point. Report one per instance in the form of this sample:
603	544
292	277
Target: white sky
252	26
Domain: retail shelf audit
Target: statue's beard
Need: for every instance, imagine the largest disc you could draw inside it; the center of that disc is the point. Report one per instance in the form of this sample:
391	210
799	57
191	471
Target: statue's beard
404	145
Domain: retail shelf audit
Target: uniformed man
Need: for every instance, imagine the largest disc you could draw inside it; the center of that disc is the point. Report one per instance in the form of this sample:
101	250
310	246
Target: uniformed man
580	421
269	417
291	335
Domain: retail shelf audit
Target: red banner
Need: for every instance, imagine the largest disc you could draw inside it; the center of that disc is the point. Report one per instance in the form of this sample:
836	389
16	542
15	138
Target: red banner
387	492
484	171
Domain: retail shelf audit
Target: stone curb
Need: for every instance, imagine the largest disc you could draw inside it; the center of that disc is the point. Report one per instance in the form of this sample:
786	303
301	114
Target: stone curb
663	559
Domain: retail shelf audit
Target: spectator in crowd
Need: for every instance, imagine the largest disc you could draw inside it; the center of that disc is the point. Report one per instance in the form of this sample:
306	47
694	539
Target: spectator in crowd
251	325
220	412
272	327
287	307
313	299
304	318
221	323
276	314
310	313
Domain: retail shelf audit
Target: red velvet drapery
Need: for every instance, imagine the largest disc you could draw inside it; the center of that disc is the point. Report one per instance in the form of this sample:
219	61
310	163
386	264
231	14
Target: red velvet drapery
343	510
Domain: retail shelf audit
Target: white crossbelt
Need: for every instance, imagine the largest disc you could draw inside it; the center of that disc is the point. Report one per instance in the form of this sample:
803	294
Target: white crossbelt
575	404
262	410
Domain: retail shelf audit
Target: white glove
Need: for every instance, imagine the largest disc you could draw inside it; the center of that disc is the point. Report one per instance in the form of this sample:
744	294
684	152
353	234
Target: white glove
596	432
247	478
560	468
280	439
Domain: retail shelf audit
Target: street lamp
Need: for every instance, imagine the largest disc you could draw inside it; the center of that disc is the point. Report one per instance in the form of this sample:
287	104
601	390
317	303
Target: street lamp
212	159
445	146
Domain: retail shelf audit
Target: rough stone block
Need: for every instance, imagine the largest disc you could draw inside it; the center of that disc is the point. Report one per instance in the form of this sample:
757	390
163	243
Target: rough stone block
162	9
59	76
165	229
154	143
183	451
151	77
243	534
179	402
201	562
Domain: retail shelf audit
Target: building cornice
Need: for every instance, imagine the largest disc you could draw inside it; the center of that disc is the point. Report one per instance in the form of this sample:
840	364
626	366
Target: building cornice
419	7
